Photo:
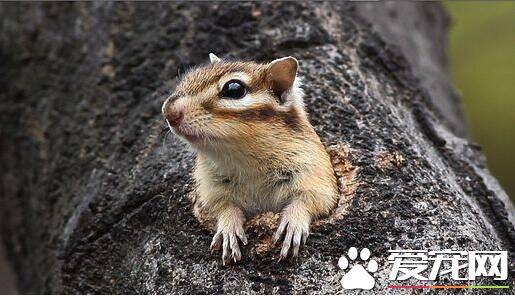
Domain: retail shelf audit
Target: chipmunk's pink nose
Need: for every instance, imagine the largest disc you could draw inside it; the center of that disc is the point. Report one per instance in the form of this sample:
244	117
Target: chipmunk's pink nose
174	115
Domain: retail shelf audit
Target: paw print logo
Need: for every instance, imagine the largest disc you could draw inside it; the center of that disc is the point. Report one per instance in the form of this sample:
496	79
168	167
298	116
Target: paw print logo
358	277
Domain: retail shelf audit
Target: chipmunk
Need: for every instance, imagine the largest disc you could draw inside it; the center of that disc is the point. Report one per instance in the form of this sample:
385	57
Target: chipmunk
256	149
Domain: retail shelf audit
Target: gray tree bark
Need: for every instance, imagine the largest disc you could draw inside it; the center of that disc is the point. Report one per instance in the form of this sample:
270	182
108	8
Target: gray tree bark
94	190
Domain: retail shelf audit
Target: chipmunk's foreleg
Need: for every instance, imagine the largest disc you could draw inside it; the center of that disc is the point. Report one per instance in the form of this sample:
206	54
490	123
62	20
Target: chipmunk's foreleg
295	221
230	220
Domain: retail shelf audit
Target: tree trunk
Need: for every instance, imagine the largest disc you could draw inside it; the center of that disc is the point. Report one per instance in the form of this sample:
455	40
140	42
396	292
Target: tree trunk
95	190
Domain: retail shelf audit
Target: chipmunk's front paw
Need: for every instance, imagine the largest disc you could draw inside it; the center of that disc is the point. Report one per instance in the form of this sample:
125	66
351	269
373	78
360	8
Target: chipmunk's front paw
296	227
227	234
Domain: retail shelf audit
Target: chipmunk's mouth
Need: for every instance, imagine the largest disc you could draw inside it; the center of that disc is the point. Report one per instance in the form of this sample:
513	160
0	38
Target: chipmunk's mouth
190	134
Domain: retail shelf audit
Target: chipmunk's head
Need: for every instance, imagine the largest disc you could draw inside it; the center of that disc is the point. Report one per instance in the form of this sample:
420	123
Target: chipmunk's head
228	103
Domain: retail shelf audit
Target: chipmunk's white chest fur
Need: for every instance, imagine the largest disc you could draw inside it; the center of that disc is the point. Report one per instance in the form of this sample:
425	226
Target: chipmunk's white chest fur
254	191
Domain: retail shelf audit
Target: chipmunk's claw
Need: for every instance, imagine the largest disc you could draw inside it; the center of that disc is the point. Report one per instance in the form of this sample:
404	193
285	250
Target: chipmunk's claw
296	234
230	247
227	237
216	242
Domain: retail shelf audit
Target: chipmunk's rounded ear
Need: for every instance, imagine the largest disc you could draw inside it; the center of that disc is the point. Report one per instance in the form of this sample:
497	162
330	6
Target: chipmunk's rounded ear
281	74
213	58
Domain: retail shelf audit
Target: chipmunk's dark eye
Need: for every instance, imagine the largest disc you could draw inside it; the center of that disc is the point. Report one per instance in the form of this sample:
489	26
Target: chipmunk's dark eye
233	89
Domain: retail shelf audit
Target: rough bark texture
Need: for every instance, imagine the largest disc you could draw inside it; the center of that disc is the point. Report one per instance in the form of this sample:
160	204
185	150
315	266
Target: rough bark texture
94	190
